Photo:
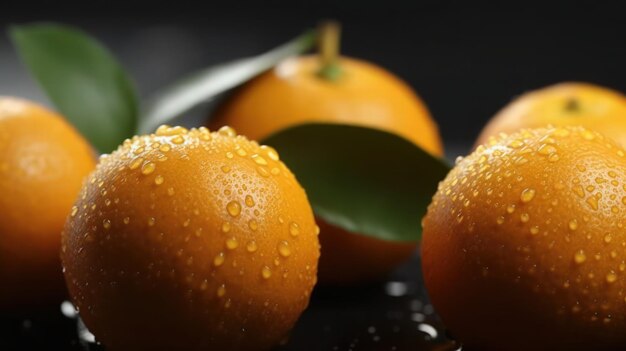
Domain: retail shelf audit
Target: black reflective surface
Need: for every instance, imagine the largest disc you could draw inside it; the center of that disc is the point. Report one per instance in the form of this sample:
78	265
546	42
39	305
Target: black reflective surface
394	315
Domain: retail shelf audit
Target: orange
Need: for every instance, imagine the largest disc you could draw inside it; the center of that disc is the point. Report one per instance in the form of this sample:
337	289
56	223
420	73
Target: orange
524	244
587	105
364	94
43	161
190	240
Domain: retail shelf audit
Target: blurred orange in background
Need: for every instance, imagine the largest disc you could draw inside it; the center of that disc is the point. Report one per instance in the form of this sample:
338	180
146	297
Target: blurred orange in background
328	88
587	105
43	161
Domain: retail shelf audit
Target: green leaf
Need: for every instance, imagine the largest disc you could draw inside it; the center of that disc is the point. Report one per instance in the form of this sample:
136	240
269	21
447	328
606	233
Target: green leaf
82	79
209	84
364	180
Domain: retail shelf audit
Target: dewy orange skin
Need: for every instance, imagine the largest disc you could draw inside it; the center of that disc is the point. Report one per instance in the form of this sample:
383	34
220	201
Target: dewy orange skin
524	244
191	240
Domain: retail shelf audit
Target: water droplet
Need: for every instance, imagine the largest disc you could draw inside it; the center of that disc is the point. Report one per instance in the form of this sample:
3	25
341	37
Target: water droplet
553	157
258	159
221	290
270	152
534	230
219	259
573	224
151	221
527	195
252	246
546	149
170	191
611	277
524	217
226	227
608	238
283	249
294	229
178	139
249	201
500	219
561	132
266	272
253	225
158	180
232	243
578	190
317	230
233	208
225	169
241	152
166	130
74	211
227	131
588	135
593	202
263	172
510	208
580	257
148	168
126	220
106	223
135	163
165	147
229	155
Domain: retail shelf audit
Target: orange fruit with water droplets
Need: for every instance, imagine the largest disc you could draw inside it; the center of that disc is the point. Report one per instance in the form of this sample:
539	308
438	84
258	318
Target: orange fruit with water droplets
43	161
524	244
564	104
364	94
191	240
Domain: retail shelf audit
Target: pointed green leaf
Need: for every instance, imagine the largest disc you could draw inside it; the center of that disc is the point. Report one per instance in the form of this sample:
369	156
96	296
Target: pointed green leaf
82	79
364	180
211	83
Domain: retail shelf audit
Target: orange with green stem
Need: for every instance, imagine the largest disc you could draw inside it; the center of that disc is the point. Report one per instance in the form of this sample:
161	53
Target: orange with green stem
329	88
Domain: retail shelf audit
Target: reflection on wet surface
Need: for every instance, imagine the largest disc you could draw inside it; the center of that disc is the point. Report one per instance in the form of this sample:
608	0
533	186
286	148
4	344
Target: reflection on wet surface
394	315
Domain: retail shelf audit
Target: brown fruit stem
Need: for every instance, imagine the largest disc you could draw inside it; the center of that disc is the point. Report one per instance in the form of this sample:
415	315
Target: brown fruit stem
328	47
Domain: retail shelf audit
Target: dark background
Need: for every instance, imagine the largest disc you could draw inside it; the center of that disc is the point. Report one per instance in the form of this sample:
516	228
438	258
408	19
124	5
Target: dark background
466	59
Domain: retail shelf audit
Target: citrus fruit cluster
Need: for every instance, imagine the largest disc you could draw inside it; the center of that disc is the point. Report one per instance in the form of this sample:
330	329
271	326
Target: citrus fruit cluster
192	239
